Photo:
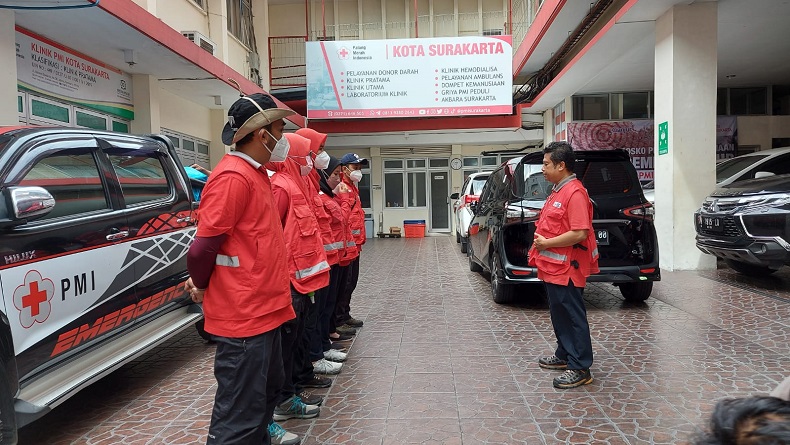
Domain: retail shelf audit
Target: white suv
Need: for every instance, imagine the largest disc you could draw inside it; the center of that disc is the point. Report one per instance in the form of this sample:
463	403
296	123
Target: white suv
470	192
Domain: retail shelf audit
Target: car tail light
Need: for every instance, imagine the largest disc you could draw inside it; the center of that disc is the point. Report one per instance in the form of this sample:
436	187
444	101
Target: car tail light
468	199
642	211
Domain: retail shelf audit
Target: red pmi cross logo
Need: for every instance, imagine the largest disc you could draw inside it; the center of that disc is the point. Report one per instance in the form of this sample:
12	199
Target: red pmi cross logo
343	53
32	299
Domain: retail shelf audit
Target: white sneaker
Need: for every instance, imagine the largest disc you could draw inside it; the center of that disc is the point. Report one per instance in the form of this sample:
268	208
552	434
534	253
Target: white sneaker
324	366
335	355
279	436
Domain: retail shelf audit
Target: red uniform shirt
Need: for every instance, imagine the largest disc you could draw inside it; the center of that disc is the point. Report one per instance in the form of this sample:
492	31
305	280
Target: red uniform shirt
248	292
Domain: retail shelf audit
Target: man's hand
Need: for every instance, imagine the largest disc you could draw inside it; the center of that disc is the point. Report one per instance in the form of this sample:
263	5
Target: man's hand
201	169
341	188
539	242
195	293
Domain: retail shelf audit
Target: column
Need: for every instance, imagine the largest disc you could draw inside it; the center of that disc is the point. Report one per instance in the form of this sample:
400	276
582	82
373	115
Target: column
685	99
145	96
217	148
9	115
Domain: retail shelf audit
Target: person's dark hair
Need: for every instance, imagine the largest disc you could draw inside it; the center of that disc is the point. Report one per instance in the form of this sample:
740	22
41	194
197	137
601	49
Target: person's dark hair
561	152
250	136
759	420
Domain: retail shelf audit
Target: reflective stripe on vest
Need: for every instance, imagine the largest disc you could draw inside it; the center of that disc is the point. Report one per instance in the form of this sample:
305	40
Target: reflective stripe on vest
310	271
351	244
229	261
595	253
333	246
553	255
356	232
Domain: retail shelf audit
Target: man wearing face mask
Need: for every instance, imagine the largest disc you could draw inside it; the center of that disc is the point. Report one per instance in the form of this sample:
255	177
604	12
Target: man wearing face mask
238	270
352	169
307	263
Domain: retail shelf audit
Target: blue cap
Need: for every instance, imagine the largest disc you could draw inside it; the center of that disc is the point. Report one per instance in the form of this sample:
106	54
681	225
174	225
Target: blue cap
353	158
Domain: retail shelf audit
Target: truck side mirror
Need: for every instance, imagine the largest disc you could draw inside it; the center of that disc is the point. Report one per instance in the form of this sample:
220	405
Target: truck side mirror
454	195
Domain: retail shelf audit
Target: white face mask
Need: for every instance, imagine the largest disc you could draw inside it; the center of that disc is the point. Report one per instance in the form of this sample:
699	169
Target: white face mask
355	176
281	149
322	160
306	169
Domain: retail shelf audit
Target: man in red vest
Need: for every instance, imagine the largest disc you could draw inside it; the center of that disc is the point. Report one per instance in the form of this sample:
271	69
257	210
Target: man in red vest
565	252
352	168
238	269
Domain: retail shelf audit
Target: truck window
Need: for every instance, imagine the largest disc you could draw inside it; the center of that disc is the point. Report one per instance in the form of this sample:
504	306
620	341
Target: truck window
142	177
72	178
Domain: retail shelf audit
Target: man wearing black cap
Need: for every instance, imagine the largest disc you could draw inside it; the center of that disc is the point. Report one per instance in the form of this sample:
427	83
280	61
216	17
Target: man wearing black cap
237	266
352	173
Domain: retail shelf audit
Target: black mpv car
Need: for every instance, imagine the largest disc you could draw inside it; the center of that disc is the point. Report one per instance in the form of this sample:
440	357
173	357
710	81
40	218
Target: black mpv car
503	227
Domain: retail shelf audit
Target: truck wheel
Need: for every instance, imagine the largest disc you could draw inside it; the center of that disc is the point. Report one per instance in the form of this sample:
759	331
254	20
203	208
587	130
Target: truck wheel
8	433
750	269
636	292
502	292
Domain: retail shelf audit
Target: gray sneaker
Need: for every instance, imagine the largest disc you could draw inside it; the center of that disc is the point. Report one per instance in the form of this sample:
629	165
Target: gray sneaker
281	437
294	408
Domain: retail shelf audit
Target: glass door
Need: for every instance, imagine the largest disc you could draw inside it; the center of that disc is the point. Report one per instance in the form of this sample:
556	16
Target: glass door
440	201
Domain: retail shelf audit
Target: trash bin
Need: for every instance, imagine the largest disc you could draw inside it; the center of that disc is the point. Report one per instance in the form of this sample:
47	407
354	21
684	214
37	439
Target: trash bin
369	230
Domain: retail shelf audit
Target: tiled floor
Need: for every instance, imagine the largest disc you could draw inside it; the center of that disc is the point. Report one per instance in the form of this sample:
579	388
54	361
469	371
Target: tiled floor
439	363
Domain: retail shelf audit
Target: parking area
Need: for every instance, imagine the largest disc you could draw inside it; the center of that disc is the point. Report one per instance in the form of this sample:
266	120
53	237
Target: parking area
438	362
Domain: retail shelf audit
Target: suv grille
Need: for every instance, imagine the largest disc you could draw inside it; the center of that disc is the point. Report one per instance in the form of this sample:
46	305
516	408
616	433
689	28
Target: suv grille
720	205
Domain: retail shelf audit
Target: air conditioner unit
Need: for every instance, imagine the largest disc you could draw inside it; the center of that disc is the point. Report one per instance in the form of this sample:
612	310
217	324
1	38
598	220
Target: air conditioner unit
200	40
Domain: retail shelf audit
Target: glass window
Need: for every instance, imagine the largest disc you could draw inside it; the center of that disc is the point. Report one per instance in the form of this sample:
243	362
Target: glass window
240	20
591	107
72	178
393	163
748	101
417	195
781	100
364	189
49	111
470	162
721	102
393	189
120	127
91	121
477	184
490	161
20	103
439	162
728	168
630	106
415	163
189	145
467	173
142	177
606	178
202	148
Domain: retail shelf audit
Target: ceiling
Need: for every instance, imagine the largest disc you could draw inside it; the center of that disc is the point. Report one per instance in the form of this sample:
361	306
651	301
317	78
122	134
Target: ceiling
753	42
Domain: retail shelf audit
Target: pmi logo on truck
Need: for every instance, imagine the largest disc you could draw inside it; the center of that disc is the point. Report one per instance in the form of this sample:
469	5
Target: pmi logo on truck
33	299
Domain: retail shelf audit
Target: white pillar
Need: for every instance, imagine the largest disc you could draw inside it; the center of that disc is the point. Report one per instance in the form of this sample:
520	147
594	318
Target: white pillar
217	148
9	115
147	116
685	98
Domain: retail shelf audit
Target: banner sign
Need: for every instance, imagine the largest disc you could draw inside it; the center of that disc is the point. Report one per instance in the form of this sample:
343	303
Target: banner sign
636	137
53	70
453	76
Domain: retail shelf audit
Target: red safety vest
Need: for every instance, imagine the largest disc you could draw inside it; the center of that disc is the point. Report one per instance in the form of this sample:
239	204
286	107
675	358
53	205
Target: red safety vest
324	219
351	250
337	226
356	218
307	263
557	265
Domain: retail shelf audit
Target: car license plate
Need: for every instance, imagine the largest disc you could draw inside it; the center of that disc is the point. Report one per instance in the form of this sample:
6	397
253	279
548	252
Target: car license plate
711	224
602	237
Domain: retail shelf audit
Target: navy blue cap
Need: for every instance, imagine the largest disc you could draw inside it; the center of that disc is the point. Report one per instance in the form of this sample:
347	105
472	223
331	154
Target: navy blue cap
353	158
